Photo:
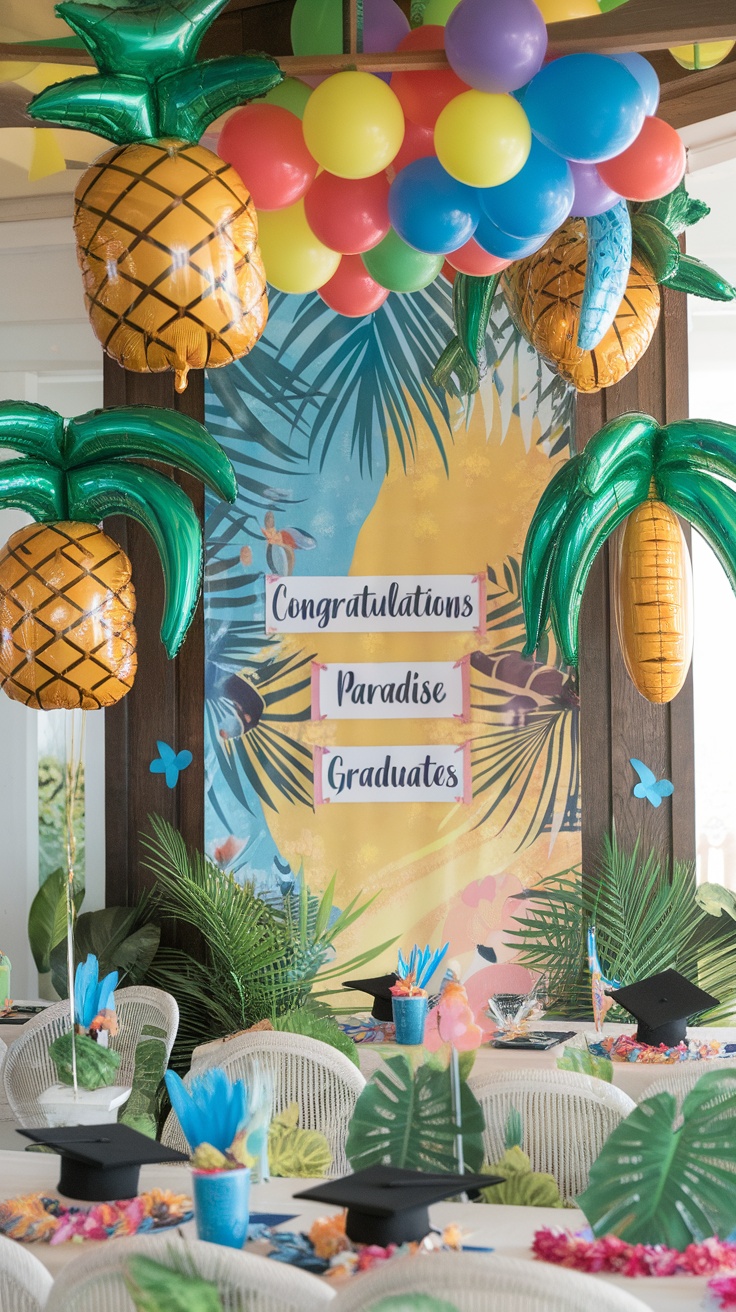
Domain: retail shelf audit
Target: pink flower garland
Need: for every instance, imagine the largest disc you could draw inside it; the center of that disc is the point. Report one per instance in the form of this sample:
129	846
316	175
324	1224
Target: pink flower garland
724	1290
614	1256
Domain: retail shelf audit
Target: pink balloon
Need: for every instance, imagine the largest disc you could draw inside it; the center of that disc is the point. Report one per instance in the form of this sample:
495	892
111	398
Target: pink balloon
265	143
472	259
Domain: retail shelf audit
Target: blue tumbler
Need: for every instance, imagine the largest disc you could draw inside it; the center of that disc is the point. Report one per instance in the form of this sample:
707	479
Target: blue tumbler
222	1206
410	1015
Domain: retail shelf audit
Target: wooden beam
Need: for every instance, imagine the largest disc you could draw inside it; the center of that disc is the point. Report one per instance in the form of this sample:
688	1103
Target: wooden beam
30	54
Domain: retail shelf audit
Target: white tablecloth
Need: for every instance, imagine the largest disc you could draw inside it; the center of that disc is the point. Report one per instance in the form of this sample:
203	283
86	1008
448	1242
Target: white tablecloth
633	1077
508	1230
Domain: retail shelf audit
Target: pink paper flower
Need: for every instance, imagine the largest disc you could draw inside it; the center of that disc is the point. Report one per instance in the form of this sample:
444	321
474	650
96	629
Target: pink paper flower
452	1021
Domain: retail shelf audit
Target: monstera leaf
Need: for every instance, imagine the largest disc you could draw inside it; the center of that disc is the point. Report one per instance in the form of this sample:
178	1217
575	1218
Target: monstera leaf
658	1183
715	899
47	918
155	1287
293	1152
404	1119
520	1186
586	1063
140	1111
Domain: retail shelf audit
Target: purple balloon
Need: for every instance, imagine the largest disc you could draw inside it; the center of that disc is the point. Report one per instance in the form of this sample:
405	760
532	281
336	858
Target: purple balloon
384	26
496	45
592	195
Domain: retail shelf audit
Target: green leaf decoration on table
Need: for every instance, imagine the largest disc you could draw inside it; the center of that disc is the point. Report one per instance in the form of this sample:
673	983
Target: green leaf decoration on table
660	1182
47	918
521	1187
295	1153
155	1287
323	1028
585	1063
140	1112
97	1067
404	1119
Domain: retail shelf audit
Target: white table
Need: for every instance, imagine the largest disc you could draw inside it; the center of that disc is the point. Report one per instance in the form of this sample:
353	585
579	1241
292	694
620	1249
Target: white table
633	1077
508	1230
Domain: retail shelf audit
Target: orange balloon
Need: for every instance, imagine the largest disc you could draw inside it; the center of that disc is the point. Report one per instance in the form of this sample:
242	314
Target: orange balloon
167	242
67	606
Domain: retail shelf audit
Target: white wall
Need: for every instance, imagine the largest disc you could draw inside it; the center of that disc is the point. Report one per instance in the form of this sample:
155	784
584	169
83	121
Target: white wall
48	354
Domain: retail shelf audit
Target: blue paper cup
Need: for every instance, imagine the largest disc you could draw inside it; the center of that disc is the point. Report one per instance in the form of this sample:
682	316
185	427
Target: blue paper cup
409	1017
222	1206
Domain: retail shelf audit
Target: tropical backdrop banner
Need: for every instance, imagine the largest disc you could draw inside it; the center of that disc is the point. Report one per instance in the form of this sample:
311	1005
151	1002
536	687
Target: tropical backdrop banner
350	463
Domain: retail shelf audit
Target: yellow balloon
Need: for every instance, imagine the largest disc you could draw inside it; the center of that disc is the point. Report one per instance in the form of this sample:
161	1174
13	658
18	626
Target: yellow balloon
705	55
295	261
353	125
559	11
482	140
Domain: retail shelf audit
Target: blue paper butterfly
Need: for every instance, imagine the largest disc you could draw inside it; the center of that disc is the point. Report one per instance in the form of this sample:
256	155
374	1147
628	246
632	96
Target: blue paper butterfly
170	763
651	787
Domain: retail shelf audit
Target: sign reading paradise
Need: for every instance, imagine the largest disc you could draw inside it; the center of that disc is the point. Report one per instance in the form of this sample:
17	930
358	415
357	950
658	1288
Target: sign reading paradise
391	690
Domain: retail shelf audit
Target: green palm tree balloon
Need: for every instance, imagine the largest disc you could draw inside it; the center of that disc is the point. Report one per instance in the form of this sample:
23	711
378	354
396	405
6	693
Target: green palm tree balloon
166	231
633	468
67	601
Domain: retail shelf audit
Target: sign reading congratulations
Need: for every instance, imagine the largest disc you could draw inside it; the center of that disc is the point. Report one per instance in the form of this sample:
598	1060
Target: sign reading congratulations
437	773
391	690
410	603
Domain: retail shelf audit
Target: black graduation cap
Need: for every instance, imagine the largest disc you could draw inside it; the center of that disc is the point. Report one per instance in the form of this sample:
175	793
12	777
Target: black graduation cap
380	991
662	1005
101	1163
388	1205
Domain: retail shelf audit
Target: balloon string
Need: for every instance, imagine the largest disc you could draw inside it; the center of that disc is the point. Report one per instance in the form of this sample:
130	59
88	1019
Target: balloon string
74	771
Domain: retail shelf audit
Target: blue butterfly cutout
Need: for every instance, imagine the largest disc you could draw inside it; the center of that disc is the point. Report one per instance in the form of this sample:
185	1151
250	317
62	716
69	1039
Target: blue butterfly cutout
651	787
170	763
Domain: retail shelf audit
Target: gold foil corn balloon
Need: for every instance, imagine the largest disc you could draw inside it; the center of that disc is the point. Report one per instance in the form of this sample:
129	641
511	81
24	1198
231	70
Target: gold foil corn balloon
166	231
67	601
653	601
544	294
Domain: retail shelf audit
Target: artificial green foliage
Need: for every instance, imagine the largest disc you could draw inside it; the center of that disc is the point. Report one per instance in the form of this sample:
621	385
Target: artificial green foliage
140	1111
647	919
294	1153
715	899
259	958
404	1118
47	918
659	1180
323	1028
155	1287
97	1067
521	1186
122	939
585	1063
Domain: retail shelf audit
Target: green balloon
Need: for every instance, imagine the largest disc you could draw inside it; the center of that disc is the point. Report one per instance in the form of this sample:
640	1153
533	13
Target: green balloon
290	94
316	27
438	11
397	266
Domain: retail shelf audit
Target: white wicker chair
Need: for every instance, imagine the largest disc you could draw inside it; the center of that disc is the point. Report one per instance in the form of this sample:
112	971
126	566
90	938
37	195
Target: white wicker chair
472	1282
24	1281
680	1078
566	1119
94	1282
28	1069
324	1082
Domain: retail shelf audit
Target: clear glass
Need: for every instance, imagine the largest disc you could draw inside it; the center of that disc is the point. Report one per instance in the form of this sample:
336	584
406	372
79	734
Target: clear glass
712	347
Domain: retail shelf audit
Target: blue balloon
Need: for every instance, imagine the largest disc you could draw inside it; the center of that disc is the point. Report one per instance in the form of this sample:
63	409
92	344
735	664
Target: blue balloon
495	242
645	75
430	210
537	200
587	108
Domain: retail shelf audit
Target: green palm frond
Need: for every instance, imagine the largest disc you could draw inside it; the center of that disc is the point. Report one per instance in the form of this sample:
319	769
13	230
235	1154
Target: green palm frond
508	762
647	919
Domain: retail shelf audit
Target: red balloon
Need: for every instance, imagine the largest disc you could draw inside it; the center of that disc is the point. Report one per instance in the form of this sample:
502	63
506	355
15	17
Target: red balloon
265	143
448	272
423	96
351	291
471	258
350	215
651	167
418	143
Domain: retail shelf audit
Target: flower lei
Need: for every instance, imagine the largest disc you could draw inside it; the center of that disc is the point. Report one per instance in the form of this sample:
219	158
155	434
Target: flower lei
626	1047
36	1217
327	1251
613	1256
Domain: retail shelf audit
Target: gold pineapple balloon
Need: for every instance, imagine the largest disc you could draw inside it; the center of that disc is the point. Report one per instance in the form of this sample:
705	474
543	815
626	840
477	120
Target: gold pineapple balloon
67	600
166	231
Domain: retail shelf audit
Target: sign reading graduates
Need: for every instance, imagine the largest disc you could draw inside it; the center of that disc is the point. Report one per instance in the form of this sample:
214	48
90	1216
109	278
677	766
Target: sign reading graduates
437	773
